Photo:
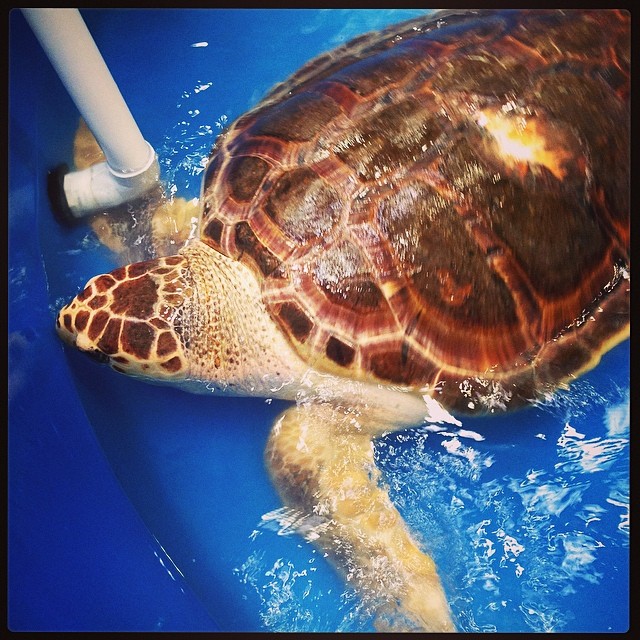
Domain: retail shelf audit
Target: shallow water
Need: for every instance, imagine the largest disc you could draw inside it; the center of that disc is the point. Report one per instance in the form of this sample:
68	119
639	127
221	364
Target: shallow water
526	515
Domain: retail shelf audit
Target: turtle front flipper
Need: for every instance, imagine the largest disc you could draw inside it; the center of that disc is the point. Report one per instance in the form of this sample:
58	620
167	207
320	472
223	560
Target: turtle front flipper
321	460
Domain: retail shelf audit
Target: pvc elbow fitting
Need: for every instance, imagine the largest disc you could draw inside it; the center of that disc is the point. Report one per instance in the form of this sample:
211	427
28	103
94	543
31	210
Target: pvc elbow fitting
76	194
131	166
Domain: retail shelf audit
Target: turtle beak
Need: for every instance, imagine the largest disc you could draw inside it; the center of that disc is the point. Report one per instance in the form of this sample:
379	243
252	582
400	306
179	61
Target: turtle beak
131	318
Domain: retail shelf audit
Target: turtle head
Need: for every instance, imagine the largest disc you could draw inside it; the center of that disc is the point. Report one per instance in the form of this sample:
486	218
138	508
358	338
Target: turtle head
134	318
196	320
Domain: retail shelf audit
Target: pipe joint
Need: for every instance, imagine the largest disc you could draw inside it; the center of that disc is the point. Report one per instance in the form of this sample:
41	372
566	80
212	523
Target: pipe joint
74	55
77	194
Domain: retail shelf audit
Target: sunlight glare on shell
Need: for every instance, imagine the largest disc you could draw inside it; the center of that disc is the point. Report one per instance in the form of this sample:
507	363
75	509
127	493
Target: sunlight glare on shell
522	141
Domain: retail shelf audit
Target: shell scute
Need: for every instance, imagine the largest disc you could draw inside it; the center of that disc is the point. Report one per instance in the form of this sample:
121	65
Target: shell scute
367	76
340	352
342	272
247	242
296	320
400	134
299	120
245	175
303	205
213	232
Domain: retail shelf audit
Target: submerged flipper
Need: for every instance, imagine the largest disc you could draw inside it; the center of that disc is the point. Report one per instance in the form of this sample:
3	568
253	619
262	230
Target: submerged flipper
153	226
321	460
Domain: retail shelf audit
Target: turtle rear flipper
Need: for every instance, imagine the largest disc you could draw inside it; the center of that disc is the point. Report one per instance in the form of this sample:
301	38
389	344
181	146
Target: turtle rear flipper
324	469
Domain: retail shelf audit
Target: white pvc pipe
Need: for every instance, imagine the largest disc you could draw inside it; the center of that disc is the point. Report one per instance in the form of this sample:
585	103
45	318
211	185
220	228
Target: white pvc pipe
131	164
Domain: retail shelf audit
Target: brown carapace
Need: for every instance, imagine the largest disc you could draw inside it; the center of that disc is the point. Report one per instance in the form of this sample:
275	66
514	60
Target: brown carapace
442	205
441	201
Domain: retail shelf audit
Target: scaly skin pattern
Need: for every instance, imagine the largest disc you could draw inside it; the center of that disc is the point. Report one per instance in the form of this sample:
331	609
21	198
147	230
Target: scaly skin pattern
439	210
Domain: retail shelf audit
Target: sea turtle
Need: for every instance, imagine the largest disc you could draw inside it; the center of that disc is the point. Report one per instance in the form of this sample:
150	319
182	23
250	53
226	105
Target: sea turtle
434	214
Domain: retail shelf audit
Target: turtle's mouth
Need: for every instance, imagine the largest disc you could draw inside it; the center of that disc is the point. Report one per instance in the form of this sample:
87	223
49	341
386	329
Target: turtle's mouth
98	356
129	318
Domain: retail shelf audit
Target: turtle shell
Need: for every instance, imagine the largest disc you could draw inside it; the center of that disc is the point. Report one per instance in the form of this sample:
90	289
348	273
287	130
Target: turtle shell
442	202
